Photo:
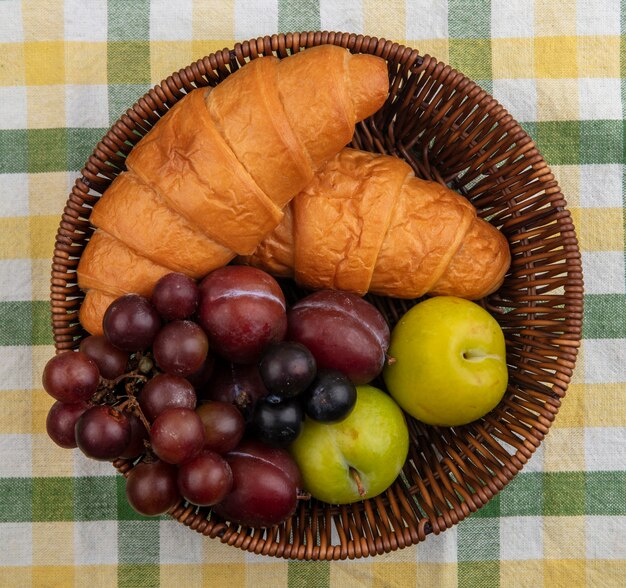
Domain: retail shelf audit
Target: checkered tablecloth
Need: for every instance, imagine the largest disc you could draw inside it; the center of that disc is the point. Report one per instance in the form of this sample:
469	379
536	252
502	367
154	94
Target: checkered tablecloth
69	68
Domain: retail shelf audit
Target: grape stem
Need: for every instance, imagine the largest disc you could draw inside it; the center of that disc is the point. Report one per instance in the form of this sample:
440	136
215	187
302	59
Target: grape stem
139	377
390	360
359	482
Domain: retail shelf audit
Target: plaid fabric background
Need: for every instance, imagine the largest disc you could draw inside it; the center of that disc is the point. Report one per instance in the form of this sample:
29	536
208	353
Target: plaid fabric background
69	69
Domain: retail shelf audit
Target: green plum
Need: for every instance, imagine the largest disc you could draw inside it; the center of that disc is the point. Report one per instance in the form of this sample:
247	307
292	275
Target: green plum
447	362
358	457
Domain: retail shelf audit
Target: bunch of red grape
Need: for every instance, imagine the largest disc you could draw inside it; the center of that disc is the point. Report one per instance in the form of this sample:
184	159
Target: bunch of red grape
212	427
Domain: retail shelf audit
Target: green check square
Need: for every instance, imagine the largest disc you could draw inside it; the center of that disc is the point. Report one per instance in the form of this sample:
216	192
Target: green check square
128	62
469	18
138	541
16	505
472	57
294	16
304	574
483	574
128	20
523	496
53	499
17	322
134	575
479	539
559	142
81	143
604	316
605	493
95	498
47	150
491	509
42	323
13	151
601	141
122	97
564	493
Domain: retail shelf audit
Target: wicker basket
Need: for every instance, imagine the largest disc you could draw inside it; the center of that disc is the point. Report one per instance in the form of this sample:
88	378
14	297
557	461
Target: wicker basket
450	130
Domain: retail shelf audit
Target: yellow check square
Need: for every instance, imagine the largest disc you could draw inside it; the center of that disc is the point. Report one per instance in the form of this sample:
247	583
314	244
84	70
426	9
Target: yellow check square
555	57
599	57
167	57
53	544
554	17
86	63
394	574
14	238
438	48
571	411
557	99
226	574
563	538
48	192
565	572
210	18
512	58
599	229
46	452
104	576
512	572
568	177
43	22
15	417
43	231
202	47
564	450
12	64
180	574
387	23
46	107
45	63
604	405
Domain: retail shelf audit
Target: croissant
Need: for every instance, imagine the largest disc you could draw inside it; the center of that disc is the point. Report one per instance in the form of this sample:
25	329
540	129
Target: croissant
366	223
212	177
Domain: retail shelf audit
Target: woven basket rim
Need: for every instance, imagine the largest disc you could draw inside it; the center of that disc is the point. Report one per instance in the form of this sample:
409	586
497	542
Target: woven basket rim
212	69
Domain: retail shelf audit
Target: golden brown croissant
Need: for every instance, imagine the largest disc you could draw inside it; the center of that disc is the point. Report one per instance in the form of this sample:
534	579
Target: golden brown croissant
212	177
366	223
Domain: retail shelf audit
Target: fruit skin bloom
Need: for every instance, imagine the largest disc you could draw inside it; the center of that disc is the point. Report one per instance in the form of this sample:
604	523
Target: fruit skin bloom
449	363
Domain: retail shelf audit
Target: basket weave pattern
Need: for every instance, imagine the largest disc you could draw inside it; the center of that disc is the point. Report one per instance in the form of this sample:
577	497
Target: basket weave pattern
449	130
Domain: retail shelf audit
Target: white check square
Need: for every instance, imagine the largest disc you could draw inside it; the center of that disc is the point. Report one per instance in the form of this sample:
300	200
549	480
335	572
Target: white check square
341	15
440	548
13	111
605	449
512	19
600	98
604	360
171	21
85	21
426	22
604	272
605	537
87	106
518	96
16	367
17	452
601	186
89	548
17	544
255	18
597	17
12	30
15	279
178	545
521	538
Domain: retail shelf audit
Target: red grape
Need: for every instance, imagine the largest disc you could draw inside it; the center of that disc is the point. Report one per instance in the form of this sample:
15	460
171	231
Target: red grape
265	486
102	432
175	296
166	391
202	376
237	384
242	310
224	426
131	323
177	435
152	488
180	348
343	332
138	434
111	361
205	479
61	421
71	377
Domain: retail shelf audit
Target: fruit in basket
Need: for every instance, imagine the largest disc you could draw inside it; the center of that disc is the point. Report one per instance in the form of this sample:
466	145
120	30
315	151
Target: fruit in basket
224	426
449	362
175	296
287	368
71	377
61	422
342	331
131	323
180	348
152	488
111	361
103	432
266	481
242	310
177	435
367	224
138	437
211	178
206	479
165	391
358	457
331	397
277	424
